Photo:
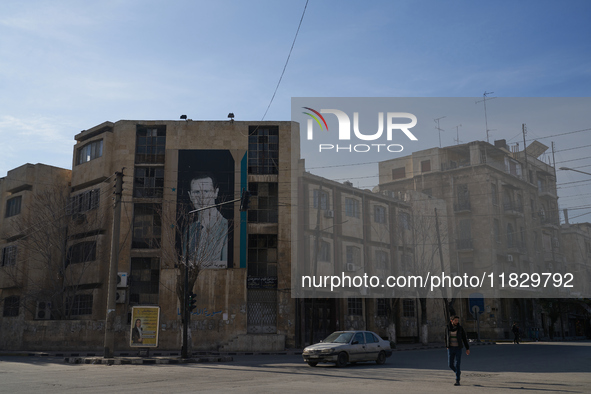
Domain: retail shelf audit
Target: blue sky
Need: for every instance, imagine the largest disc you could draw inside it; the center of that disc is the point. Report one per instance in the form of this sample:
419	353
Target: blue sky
66	66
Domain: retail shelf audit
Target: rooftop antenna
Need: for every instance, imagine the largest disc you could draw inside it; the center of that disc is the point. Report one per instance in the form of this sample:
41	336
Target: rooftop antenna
458	134
439	128
485	118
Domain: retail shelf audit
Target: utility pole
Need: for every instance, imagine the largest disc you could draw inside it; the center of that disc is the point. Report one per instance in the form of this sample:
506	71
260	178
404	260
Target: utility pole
525	153
113	268
444	291
186	313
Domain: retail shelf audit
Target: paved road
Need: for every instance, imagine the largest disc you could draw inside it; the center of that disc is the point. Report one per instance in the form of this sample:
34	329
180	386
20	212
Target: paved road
533	367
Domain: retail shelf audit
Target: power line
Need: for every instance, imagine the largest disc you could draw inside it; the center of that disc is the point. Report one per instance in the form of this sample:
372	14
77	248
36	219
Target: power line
287	61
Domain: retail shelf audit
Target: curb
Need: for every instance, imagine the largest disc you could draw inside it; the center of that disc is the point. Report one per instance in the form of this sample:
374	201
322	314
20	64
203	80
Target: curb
144	361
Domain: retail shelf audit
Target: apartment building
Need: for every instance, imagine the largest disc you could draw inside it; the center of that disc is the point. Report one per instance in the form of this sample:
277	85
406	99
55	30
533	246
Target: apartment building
502	217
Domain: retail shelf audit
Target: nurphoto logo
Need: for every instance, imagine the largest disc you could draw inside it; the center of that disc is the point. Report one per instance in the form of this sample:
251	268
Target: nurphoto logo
344	133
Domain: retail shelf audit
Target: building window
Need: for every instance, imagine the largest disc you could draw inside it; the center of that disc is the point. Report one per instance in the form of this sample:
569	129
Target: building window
150	144
510	238
494	193
146	226
8	256
354	307
426	166
398	173
85	201
13	206
148	182
81	253
353	255
11	306
382	307
262	255
408	308
81	304
263	149
321	197
463	198
323	251
90	151
381	259
497	230
379	214
264	202
352	207
404	221
144	280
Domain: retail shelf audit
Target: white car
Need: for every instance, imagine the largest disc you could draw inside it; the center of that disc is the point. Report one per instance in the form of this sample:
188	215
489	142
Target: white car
342	347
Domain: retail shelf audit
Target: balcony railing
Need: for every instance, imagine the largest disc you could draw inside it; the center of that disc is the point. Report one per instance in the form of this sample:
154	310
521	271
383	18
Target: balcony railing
512	207
464	244
462	206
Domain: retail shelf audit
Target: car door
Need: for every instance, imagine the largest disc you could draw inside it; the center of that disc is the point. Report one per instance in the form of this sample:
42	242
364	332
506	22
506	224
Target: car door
372	346
357	348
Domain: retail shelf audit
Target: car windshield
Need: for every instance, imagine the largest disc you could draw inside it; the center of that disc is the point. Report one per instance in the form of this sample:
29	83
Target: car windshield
338	337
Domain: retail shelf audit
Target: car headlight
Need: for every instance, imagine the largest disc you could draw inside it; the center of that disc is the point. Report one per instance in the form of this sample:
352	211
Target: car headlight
327	350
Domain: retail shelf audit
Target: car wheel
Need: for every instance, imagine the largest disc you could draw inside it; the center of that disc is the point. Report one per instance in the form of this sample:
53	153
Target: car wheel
381	358
342	359
312	363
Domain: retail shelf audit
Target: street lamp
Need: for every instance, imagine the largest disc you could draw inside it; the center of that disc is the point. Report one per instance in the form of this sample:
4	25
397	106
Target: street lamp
572	169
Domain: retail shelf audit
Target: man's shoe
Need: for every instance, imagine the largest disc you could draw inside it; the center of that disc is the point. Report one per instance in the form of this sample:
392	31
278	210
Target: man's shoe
457	383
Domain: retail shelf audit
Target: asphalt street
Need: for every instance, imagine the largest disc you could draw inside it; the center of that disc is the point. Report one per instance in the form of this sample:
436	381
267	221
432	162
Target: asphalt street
554	367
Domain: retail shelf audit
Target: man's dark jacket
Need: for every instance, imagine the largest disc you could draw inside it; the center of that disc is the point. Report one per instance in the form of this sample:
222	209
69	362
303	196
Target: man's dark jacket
461	336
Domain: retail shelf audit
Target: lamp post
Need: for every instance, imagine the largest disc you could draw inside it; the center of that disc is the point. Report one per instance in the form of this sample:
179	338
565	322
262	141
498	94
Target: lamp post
572	169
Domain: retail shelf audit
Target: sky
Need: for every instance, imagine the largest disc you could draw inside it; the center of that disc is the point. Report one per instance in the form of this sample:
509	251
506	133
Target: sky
66	66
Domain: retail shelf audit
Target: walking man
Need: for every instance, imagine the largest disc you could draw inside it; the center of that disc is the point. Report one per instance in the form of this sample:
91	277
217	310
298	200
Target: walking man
515	331
455	339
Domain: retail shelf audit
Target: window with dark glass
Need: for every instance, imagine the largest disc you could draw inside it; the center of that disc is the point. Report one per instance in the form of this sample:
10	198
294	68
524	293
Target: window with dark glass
85	201
81	253
494	194
354	307
321	199
379	214
148	182
381	259
262	255
146	226
510	238
352	207
398	173
81	304
426	166
11	306
150	144
404	221
353	255
144	280
90	151
8	257
408	308
13	206
323	251
264	202
382	307
263	149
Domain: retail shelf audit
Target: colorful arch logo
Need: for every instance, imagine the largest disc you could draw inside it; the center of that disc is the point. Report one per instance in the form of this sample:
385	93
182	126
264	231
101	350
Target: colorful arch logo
315	118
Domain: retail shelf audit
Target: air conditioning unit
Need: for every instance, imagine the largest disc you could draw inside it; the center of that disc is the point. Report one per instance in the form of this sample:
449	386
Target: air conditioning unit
350	267
510	258
120	297
122	279
329	214
43	311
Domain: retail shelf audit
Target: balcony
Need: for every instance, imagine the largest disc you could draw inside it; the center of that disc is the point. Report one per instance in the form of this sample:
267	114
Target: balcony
464	244
511	208
550	222
462	206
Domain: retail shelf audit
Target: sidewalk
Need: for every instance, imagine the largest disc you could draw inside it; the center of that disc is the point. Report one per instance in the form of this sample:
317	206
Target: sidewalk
174	356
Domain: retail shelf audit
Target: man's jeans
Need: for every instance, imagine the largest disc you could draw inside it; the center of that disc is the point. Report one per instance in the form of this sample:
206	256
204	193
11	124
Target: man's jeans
454	353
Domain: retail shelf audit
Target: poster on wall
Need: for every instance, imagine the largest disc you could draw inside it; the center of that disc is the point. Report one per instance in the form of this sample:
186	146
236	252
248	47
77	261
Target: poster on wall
206	179
144	326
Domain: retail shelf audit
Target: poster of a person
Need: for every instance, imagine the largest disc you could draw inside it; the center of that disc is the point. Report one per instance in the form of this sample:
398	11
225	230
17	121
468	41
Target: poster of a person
136	333
208	231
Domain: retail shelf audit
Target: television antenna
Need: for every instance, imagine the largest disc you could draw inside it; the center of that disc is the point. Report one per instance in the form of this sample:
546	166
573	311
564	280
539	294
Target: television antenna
458	134
485	97
439	128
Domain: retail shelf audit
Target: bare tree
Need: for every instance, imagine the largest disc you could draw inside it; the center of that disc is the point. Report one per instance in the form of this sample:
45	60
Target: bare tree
51	266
